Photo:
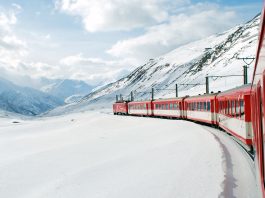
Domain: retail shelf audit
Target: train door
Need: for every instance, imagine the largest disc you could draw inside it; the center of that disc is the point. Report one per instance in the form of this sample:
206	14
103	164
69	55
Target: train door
262	110
213	110
259	130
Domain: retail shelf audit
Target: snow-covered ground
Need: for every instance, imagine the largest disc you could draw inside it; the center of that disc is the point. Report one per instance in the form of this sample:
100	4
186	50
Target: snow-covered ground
94	154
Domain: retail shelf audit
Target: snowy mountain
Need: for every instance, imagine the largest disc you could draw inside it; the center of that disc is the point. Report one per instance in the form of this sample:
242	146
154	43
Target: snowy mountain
188	64
66	88
24	100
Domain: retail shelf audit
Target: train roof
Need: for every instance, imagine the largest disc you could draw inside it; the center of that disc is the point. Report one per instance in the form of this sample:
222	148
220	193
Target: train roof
202	96
122	101
242	88
140	101
168	99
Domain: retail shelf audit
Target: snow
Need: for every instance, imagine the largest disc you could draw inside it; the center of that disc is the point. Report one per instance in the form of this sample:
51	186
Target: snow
93	154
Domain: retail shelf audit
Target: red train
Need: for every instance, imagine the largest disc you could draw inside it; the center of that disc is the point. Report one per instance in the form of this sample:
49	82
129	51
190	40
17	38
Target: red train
229	110
239	111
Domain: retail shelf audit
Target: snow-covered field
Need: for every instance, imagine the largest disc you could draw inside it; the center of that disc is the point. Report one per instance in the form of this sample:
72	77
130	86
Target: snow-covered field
94	154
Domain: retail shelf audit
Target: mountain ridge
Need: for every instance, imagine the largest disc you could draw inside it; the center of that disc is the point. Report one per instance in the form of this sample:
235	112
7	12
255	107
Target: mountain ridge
190	63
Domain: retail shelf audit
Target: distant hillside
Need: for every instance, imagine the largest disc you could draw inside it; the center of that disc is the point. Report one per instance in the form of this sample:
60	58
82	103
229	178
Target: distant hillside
66	88
24	100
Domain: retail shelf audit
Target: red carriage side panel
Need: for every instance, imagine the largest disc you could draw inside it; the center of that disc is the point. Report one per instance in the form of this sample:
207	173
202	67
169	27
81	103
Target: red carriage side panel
234	114
201	108
171	108
120	108
141	108
258	105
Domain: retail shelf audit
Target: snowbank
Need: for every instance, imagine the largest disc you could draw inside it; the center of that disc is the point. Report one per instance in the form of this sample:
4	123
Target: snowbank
101	155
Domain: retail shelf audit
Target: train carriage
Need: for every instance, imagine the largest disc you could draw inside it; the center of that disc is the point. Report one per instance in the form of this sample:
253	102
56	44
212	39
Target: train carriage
141	108
234	114
201	108
120	108
172	108
258	105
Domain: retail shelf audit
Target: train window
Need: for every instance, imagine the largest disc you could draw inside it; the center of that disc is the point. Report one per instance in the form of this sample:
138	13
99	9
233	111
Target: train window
237	108
166	106
208	106
205	106
232	108
242	109
171	106
228	108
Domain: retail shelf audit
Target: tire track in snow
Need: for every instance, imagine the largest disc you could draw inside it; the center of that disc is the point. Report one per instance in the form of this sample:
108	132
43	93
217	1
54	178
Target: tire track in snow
229	182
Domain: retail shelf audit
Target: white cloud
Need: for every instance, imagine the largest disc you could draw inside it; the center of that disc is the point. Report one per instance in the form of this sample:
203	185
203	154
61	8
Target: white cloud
12	49
94	70
105	15
199	21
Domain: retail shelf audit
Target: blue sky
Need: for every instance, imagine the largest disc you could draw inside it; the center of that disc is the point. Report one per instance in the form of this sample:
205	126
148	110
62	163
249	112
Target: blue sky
99	41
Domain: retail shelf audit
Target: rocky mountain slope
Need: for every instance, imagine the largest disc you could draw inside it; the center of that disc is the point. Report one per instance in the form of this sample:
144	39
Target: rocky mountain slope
188	64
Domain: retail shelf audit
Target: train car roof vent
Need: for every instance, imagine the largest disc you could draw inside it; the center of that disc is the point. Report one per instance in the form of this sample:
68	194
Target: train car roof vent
219	91
211	91
199	94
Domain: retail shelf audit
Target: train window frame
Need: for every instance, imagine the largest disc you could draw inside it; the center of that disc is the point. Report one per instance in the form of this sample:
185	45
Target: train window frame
208	106
233	108
242	113
237	109
228	107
